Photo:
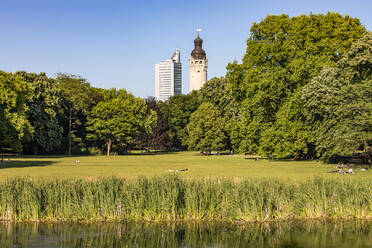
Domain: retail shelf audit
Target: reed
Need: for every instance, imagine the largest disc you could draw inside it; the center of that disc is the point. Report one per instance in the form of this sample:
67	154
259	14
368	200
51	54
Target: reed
175	198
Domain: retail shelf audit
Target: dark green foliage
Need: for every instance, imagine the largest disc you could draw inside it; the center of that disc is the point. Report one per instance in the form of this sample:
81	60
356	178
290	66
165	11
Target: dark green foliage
79	100
339	104
119	119
205	131
284	54
291	135
14	126
45	104
159	136
176	112
218	92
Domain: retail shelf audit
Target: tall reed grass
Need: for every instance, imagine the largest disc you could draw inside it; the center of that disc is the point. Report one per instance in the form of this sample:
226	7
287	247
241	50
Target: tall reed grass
174	198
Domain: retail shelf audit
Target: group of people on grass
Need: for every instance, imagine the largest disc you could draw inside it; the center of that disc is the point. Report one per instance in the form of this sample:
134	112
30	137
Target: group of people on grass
344	168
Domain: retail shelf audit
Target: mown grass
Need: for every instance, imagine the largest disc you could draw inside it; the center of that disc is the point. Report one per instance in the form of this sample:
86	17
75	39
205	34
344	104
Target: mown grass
132	166
174	198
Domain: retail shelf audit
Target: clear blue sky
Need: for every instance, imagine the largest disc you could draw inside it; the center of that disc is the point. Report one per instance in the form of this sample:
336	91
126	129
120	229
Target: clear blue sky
117	43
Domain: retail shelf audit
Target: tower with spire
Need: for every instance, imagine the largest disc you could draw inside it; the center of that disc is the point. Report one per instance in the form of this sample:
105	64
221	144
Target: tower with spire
198	65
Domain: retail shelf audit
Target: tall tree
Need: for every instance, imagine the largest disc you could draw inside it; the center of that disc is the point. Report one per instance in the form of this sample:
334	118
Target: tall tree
118	119
159	136
14	126
44	101
284	54
176	112
339	104
291	134
78	103
206	129
218	92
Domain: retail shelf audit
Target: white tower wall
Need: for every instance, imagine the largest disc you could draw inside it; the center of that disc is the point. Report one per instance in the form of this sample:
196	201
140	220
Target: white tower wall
198	65
197	73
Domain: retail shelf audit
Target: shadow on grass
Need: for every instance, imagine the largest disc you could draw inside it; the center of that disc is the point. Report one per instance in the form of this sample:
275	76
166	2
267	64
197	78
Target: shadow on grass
135	153
214	154
143	153
22	164
53	156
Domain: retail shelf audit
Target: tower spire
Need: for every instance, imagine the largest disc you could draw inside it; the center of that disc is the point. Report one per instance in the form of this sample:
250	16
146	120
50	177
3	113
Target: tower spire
198	52
198	30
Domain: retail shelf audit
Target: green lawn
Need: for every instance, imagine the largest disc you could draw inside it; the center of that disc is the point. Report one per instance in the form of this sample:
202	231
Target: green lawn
225	166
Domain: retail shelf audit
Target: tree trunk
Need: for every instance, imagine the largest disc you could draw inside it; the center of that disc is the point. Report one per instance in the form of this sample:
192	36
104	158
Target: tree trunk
69	132
108	143
35	149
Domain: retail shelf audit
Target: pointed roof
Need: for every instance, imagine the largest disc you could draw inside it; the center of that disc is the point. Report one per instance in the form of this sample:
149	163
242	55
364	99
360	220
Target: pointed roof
198	52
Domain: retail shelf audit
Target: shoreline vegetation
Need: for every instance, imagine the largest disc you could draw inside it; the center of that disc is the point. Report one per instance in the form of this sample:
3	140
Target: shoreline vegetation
172	198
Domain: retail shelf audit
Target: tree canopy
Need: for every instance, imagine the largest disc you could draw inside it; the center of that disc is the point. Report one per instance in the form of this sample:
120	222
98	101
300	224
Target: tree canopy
118	119
283	55
79	99
302	90
14	126
158	138
44	101
206	129
339	103
176	112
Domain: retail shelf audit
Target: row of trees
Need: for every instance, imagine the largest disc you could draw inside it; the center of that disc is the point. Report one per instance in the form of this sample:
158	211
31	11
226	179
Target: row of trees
39	114
303	90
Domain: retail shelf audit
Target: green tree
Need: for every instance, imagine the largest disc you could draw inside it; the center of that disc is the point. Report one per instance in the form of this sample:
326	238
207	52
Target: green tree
119	119
44	101
206	129
339	104
284	54
79	102
159	136
218	92
291	135
14	126
176	112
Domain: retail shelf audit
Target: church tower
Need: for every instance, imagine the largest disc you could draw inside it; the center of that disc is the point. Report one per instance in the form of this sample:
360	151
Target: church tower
198	64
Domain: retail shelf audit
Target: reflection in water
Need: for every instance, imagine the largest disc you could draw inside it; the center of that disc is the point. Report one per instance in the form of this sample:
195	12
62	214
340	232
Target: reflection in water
188	234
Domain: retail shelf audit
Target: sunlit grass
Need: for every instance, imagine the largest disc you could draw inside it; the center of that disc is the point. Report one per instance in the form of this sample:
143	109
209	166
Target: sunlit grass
130	166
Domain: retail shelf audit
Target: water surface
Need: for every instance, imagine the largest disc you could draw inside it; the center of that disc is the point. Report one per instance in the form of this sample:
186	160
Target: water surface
188	234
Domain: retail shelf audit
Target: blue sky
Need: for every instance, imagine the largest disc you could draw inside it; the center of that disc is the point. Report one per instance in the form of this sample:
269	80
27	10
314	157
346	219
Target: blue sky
117	43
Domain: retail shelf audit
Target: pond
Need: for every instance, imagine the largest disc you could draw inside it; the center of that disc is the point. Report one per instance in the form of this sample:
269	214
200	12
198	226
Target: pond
188	234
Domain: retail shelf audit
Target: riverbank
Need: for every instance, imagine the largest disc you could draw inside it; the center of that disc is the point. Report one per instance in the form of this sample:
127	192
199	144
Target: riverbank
170	198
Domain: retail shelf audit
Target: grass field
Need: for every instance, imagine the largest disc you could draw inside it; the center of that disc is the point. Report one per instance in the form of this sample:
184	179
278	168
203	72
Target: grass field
213	188
224	166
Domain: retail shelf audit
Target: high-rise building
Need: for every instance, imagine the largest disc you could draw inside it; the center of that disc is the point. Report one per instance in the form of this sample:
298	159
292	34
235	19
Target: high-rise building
198	65
168	78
